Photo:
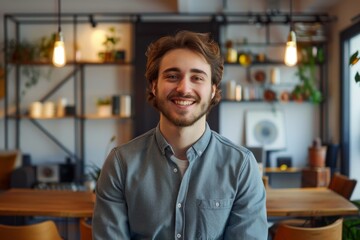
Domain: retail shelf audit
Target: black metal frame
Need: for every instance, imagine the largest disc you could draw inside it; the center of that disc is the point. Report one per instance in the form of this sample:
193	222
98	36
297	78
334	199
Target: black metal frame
79	83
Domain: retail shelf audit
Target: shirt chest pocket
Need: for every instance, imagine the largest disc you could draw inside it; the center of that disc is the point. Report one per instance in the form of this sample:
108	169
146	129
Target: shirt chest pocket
212	217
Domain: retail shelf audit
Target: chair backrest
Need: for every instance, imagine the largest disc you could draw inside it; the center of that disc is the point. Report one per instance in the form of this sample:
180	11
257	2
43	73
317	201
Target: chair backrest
265	180
289	232
7	165
39	231
85	230
342	185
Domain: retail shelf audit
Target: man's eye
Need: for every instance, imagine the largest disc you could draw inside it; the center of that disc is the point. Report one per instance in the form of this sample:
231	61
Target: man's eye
171	77
197	78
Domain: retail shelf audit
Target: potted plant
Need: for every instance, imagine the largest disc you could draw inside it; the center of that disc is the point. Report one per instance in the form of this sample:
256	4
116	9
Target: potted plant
110	43
91	177
46	48
307	89
21	52
25	52
104	107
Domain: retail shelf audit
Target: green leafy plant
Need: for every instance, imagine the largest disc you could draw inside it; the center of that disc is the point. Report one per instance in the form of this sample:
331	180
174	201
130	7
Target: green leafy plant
110	43
46	47
307	88
111	40
353	60
93	173
103	101
351	226
20	52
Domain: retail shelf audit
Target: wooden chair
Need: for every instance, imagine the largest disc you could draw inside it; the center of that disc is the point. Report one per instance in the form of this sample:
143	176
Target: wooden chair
40	231
292	230
265	180
342	185
85	230
7	165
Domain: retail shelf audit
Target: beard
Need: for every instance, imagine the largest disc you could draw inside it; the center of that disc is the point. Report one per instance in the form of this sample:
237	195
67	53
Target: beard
183	118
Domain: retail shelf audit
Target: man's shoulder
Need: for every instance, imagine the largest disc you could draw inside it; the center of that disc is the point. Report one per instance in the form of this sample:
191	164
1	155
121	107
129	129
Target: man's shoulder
139	141
229	146
224	141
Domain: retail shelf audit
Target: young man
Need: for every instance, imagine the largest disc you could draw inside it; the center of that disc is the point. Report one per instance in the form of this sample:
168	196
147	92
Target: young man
181	180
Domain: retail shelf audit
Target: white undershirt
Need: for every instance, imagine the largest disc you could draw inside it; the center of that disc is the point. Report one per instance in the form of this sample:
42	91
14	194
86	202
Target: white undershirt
182	164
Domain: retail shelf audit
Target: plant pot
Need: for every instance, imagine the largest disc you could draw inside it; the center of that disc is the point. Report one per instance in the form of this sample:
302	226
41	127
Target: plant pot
104	110
317	156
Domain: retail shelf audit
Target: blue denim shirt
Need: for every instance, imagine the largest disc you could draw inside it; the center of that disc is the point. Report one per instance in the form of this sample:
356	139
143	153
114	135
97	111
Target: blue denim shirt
141	194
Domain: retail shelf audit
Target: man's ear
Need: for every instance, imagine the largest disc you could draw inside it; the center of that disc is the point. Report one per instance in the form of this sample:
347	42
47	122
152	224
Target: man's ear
153	88
213	91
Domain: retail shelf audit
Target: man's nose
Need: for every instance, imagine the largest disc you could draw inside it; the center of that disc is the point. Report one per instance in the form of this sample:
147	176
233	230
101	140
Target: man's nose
184	85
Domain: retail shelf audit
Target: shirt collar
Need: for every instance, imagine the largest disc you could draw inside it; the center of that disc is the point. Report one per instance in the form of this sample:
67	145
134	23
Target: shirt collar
199	146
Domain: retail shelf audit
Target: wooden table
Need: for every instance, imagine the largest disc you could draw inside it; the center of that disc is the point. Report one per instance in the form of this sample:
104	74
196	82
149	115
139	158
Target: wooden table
307	202
30	202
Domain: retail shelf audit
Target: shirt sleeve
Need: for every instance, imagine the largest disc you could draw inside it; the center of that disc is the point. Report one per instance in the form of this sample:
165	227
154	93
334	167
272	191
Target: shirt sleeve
110	219
248	218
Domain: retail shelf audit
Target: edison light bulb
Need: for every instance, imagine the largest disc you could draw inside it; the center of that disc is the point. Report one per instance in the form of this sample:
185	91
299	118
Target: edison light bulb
291	51
59	58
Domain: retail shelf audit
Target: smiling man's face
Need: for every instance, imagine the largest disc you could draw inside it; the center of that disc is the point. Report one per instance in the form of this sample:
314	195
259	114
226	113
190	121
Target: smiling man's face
183	90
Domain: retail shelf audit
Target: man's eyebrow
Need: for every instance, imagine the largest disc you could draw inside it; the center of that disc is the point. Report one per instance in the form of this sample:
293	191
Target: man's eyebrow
193	70
196	70
171	70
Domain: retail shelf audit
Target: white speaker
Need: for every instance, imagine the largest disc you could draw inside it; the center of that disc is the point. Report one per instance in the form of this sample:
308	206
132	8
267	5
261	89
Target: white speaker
265	129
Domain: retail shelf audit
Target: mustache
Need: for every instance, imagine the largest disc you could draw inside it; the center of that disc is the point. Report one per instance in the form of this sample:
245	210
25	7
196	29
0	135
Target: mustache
180	95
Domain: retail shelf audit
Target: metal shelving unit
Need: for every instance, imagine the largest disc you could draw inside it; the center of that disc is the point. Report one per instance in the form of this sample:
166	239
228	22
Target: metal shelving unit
16	20
76	73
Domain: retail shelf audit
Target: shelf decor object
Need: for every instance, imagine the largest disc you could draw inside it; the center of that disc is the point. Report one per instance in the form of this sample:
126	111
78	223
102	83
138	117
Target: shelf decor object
59	58
265	129
291	49
104	107
317	154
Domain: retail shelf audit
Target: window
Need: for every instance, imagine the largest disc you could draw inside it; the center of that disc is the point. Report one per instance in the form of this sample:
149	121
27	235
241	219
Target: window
350	93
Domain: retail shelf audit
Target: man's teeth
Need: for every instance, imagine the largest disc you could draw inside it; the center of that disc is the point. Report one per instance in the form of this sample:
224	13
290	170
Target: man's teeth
184	103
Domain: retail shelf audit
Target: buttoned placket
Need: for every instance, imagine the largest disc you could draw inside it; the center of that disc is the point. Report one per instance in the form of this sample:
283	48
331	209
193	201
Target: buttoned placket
180	217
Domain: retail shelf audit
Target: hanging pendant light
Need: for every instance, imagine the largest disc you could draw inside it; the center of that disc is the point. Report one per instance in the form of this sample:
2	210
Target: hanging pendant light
59	57
291	49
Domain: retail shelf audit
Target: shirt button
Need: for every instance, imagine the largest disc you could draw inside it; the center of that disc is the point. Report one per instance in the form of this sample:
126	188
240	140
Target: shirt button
175	170
179	205
178	235
217	204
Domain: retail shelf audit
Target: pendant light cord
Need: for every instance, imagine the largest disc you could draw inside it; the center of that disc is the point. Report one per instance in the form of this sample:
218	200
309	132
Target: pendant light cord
291	27
59	16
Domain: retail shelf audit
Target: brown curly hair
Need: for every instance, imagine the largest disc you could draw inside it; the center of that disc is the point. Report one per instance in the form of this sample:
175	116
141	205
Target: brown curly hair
201	43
